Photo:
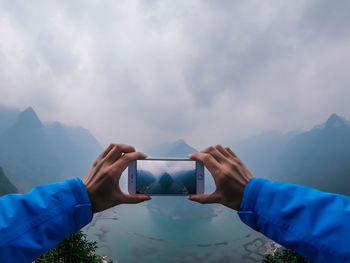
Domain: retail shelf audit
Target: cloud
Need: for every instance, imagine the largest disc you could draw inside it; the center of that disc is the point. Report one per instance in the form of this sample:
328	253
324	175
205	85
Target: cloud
143	72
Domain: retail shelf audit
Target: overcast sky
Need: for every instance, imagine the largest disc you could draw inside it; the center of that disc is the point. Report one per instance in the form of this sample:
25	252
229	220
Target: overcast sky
143	72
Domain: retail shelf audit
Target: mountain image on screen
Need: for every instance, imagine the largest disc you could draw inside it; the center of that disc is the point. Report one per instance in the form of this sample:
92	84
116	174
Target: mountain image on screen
143	181
183	182
165	181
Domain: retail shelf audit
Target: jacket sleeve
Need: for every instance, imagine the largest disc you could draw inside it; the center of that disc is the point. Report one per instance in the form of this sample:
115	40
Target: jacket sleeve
315	224
33	223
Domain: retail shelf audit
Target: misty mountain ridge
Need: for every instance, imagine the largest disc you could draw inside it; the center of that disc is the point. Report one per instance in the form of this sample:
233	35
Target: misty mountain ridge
260	152
179	182
34	153
7	118
334	121
318	158
178	148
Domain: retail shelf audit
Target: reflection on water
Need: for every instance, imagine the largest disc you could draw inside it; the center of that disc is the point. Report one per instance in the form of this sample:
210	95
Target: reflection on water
155	232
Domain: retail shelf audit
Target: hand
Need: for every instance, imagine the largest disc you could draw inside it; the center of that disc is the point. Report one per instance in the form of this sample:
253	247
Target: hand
102	181
229	173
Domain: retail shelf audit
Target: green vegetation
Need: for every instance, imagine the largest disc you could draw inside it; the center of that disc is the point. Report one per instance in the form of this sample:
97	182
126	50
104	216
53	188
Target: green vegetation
285	256
6	187
75	248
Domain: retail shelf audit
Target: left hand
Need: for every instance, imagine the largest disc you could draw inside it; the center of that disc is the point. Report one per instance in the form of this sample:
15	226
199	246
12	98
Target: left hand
102	181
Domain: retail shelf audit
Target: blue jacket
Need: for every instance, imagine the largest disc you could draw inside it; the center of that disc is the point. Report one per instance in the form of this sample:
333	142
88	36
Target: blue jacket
313	223
33	223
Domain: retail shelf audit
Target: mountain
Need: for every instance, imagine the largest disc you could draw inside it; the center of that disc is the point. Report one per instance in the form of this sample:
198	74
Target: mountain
34	153
25	154
260	152
7	118
182	182
6	187
318	158
178	148
74	147
144	181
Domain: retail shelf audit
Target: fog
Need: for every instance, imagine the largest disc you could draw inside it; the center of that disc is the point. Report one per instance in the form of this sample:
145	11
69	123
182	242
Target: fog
146	72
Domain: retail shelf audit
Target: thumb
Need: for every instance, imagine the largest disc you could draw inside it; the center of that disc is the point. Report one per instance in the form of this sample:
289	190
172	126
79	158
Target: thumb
204	198
134	198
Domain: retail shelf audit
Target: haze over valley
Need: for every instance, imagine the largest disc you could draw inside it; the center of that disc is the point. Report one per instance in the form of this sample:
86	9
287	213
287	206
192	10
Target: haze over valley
34	153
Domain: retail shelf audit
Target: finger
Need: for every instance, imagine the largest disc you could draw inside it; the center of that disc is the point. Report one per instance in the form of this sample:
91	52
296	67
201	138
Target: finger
126	159
205	198
223	151
215	153
230	152
235	157
103	154
134	198
210	150
209	161
117	151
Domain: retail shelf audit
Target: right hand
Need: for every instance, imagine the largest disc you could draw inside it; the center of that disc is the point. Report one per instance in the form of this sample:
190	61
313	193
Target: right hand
229	173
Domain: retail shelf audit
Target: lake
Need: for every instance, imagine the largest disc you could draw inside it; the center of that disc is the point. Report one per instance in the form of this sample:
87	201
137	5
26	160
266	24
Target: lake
174	229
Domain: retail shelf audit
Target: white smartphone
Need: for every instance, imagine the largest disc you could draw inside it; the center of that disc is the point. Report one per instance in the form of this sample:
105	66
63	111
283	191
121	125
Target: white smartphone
166	176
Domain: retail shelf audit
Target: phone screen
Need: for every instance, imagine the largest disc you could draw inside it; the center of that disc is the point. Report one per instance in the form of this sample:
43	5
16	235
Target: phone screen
164	177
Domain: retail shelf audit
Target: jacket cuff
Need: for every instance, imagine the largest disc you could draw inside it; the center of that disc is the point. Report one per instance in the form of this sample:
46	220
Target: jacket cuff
247	209
83	208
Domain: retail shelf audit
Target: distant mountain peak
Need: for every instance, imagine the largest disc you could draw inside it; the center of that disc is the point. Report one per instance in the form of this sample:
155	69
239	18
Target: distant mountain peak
180	148
336	121
166	180
334	116
180	142
29	111
29	118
